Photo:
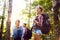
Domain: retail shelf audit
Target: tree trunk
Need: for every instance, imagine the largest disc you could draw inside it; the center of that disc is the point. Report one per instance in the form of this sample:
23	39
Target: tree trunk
8	23
56	5
2	21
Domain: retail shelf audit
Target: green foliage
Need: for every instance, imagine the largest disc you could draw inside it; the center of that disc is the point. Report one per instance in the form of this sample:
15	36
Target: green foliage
0	17
46	4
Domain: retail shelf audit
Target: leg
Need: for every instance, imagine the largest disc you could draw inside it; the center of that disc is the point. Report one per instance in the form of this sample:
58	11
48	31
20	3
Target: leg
37	35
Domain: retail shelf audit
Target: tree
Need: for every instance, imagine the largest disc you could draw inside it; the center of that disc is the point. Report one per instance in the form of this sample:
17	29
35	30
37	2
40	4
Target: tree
2	21
56	6
46	4
8	24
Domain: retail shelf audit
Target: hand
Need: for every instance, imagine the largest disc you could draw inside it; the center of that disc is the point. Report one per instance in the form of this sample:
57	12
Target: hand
37	22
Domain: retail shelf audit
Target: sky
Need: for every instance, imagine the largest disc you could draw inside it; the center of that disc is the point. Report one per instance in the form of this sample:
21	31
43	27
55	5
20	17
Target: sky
17	6
1	9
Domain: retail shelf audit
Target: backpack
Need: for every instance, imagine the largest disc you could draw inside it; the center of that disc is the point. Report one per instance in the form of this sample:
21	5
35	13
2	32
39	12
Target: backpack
29	33
46	24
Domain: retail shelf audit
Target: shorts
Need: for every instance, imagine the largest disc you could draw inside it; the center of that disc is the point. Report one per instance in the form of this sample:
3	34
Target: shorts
37	31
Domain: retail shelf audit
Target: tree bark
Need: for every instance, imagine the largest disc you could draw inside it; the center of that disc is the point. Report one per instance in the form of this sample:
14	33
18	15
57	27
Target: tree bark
8	23
2	21
56	5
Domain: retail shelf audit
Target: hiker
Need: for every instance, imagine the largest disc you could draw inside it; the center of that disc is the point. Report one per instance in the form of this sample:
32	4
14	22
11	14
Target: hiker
18	31
26	32
38	23
41	23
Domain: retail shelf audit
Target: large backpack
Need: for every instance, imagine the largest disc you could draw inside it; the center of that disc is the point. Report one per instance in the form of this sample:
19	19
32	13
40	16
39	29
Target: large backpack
28	34
46	24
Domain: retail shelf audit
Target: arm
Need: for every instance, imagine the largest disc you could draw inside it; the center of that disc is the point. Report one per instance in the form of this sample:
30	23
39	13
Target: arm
36	22
39	23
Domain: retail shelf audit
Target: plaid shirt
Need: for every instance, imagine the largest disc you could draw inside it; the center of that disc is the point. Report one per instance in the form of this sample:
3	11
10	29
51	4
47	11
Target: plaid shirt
40	19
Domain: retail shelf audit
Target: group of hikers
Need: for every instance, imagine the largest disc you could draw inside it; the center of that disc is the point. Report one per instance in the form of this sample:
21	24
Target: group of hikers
40	26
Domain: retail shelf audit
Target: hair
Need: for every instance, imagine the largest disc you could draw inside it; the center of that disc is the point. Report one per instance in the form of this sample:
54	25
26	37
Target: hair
40	7
24	23
17	21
